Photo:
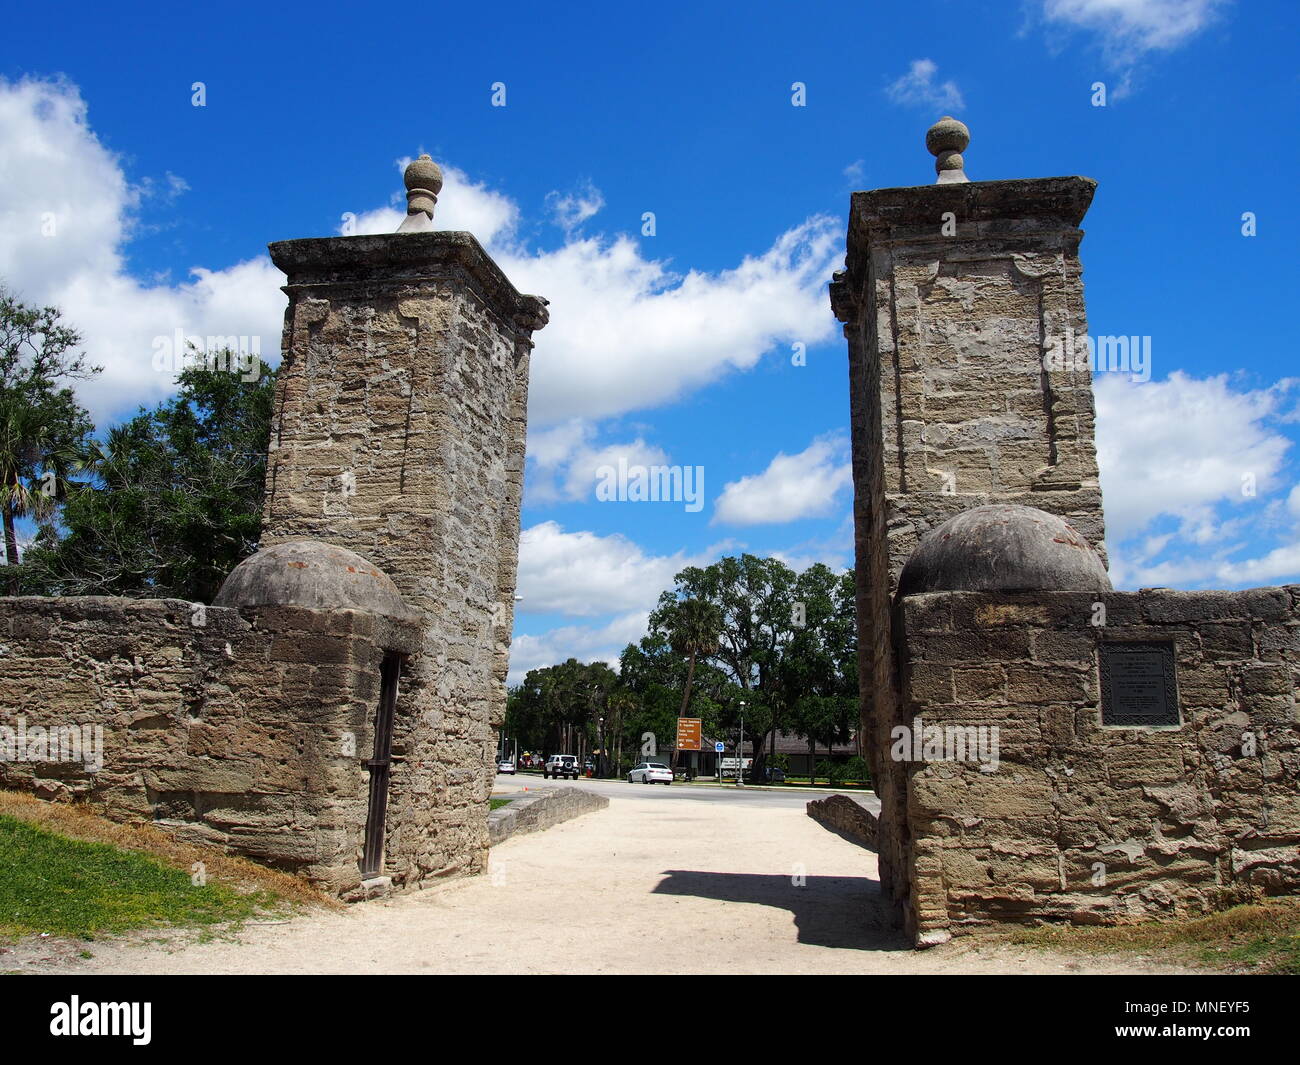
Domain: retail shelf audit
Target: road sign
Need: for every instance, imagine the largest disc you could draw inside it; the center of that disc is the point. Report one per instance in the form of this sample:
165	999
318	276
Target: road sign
719	746
688	733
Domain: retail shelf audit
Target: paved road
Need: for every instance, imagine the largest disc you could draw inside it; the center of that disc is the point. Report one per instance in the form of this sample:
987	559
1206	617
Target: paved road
762	798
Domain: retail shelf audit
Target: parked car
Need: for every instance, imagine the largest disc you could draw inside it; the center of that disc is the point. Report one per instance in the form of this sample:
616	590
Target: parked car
561	765
506	766
650	773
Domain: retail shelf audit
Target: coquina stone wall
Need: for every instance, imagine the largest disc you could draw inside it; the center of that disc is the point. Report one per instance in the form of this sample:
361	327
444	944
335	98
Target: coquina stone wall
1087	823
951	296
242	729
399	434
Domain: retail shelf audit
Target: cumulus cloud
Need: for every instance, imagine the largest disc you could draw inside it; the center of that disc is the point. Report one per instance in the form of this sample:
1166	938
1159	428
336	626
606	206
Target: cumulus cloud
626	332
1182	446
919	88
587	643
1128	30
564	461
792	487
582	574
1130	27
67	211
571	209
1195	471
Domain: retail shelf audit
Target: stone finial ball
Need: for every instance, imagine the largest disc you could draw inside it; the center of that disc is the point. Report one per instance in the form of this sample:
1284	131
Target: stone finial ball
947	135
423	173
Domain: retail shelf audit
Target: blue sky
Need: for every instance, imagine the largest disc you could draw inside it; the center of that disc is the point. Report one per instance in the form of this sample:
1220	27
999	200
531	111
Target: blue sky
677	347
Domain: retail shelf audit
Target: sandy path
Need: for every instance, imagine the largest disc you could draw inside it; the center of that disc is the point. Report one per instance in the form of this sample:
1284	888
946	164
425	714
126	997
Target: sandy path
645	886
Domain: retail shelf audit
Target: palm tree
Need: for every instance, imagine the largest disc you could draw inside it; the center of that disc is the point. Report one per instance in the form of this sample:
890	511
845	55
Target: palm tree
41	446
693	626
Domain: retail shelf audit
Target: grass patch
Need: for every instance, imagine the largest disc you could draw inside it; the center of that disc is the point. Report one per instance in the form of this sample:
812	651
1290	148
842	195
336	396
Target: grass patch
68	871
496	804
1257	937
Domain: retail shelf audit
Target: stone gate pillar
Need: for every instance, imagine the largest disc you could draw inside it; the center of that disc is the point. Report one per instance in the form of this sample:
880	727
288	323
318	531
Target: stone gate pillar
962	303
398	433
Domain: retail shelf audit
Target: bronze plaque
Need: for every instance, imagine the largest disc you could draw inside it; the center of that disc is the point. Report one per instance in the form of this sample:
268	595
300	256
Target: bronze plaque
1138	685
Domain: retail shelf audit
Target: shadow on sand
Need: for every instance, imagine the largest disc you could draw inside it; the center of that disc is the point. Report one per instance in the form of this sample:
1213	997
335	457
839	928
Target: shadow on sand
829	911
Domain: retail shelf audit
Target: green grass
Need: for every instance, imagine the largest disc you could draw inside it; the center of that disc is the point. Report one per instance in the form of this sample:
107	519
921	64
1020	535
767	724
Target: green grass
68	887
1258	937
496	804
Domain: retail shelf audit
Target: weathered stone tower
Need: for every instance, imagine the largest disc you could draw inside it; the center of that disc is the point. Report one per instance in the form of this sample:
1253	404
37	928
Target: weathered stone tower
399	433
953	297
1045	748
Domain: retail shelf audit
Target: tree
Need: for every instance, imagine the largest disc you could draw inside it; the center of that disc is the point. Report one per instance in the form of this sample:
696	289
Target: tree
558	708
176	497
692	626
43	428
818	673
754	599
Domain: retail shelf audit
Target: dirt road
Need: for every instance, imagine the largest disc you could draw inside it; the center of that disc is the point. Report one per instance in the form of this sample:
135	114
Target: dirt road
644	886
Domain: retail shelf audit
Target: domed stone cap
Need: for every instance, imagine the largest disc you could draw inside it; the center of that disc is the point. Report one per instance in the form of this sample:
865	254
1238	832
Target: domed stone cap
1003	548
307	573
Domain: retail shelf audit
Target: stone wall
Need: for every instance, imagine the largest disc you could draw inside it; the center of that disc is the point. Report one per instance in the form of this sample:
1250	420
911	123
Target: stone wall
951	297
1088	823
244	730
844	814
532	813
399	434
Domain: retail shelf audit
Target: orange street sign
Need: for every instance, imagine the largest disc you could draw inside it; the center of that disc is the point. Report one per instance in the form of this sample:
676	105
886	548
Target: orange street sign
688	733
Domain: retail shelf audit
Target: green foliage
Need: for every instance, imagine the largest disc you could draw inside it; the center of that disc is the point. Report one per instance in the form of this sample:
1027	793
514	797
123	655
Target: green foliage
176	499
855	769
557	707
743	636
49	883
43	429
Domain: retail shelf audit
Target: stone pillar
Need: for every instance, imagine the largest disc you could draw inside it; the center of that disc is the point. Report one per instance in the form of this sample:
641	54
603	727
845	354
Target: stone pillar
962	304
399	433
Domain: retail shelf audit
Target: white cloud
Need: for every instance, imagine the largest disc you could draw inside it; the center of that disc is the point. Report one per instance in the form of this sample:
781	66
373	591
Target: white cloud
1182	450
587	643
792	487
626	332
1128	30
582	574
571	209
1181	447
918	88
1130	27
54	169
564	462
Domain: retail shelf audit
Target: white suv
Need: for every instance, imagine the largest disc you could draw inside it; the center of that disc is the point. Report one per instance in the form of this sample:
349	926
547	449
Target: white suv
561	765
650	773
